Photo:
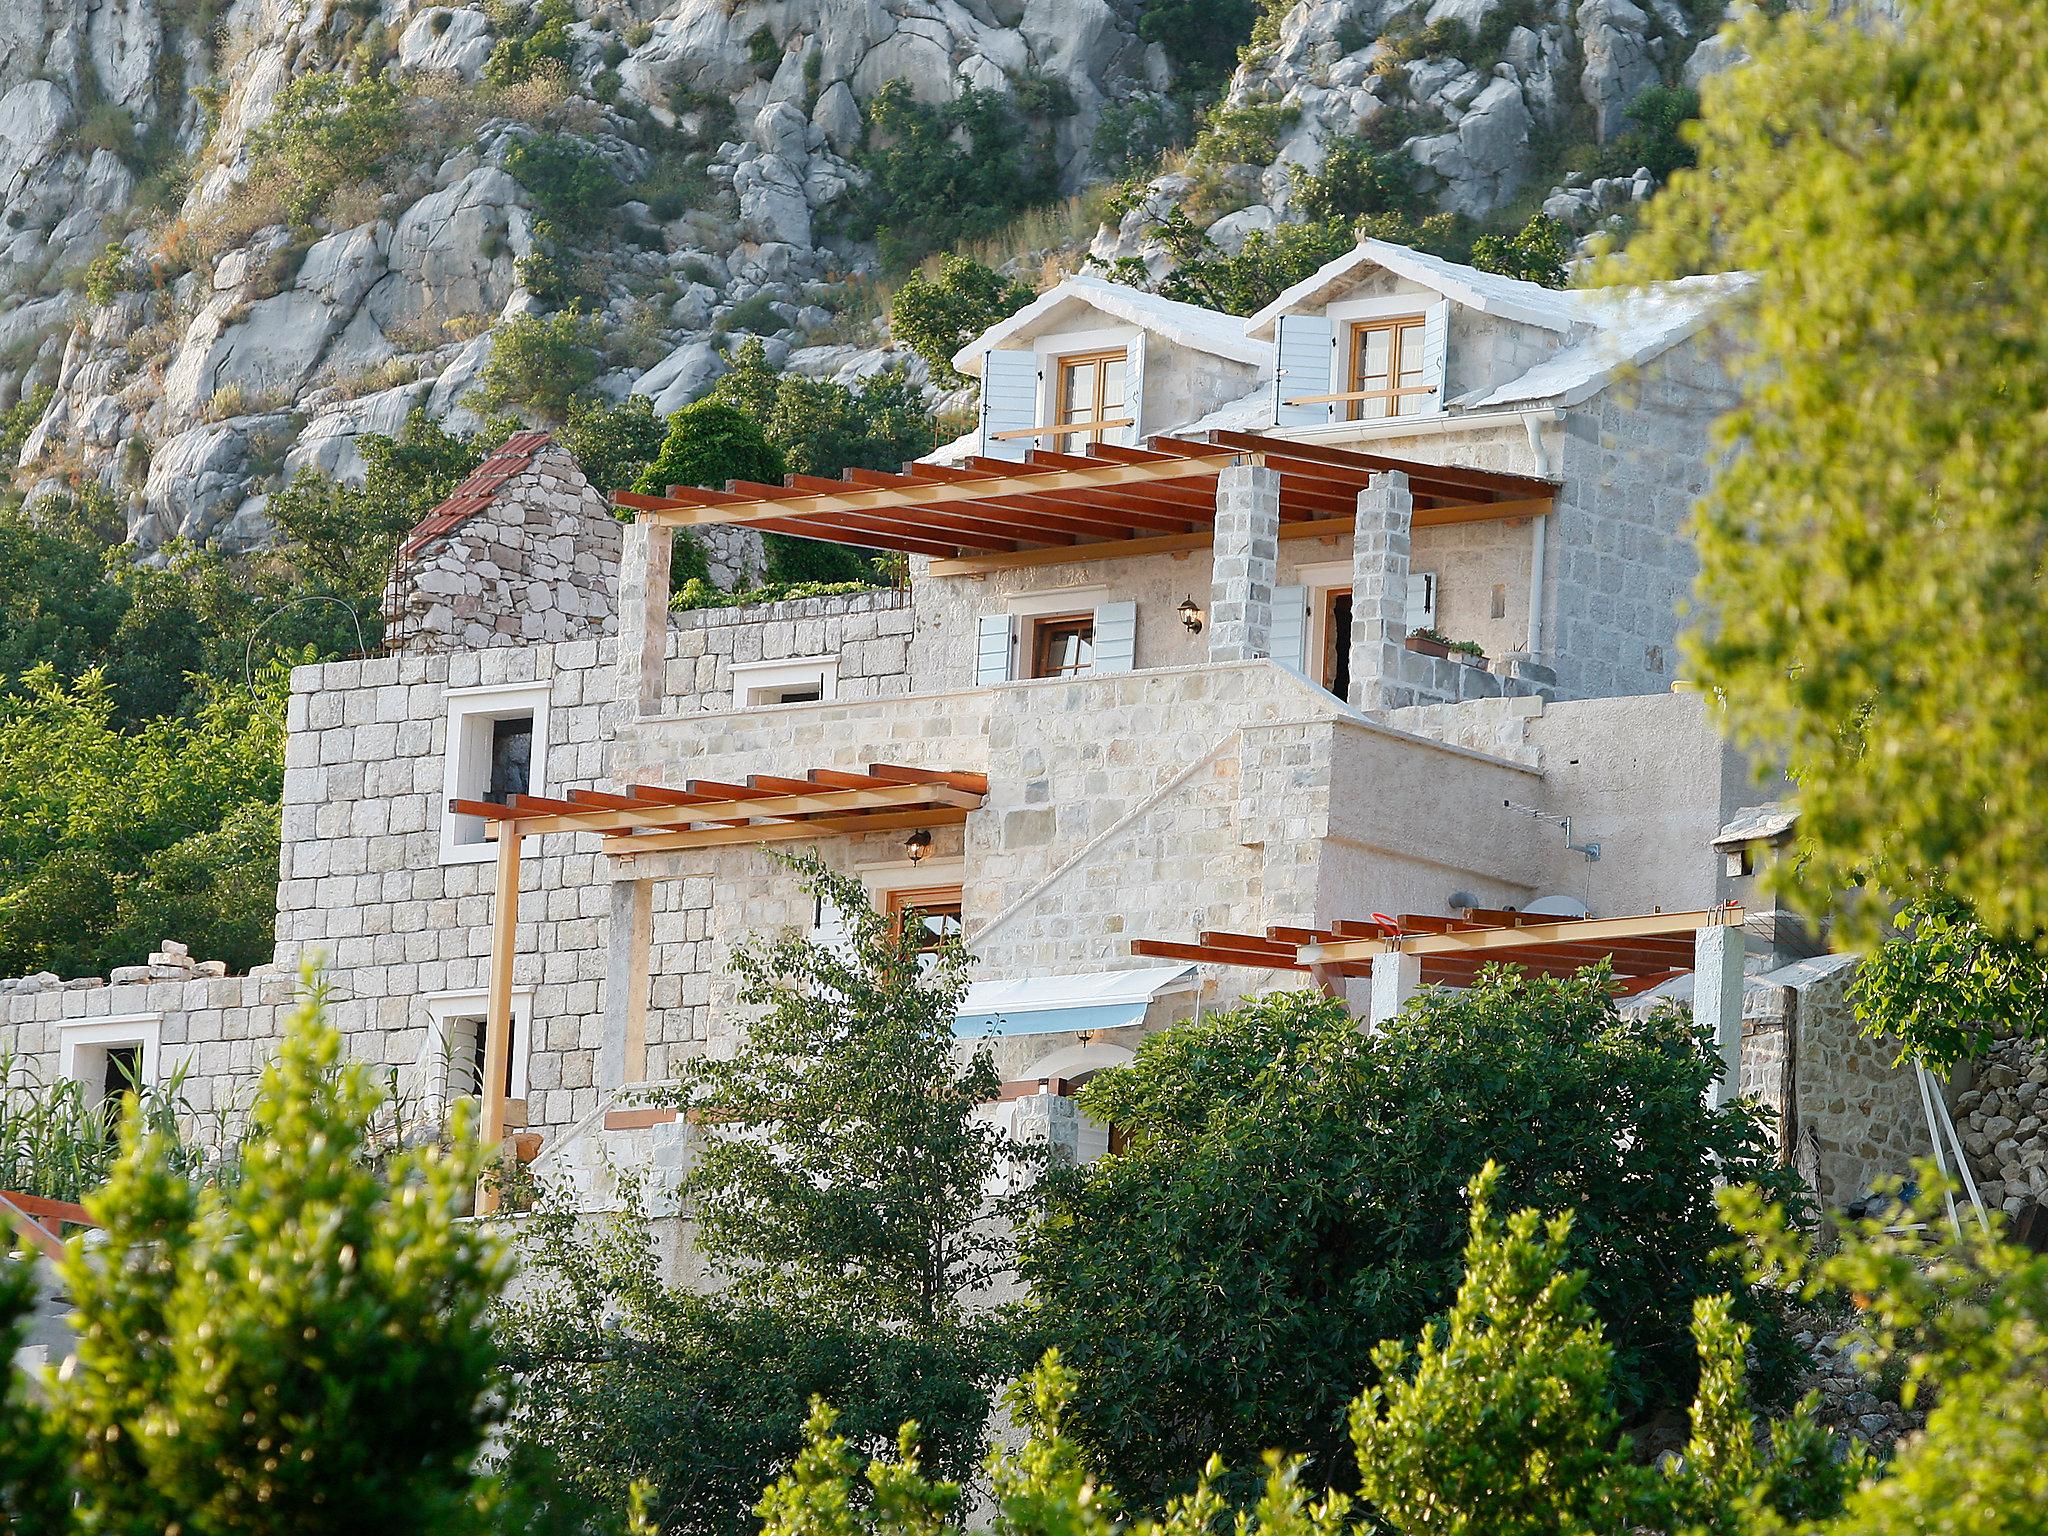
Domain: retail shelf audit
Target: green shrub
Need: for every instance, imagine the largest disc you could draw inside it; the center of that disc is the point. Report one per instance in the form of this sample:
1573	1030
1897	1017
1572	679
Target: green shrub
708	443
325	132
1356	180
763	52
569	182
1134	132
673	184
613	443
755	313
543	48
937	316
541	365
1246	135
1265	265
18	420
926	191
1536	253
1200	37
1310	1175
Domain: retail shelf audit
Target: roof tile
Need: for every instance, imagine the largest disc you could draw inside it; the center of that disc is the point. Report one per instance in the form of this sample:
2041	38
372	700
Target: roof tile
513	457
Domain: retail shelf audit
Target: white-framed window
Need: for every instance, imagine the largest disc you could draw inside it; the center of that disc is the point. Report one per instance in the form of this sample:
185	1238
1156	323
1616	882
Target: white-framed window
111	1056
497	746
452	1063
1388	355
798	680
1062	632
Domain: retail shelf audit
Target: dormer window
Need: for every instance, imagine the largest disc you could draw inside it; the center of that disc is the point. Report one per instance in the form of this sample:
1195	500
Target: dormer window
1388	363
1091	393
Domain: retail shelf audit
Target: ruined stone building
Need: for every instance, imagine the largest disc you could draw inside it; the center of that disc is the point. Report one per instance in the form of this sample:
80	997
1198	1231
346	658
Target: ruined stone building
1334	645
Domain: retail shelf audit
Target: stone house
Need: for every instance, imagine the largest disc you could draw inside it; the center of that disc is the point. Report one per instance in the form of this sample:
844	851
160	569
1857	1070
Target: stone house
1164	716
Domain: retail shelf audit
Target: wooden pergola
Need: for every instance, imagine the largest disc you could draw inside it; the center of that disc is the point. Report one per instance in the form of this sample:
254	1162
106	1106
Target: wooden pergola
702	813
988	514
1645	951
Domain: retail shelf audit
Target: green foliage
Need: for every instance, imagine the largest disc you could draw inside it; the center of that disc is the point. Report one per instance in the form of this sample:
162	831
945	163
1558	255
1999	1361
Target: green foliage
1536	253
1869	582
698	592
541	364
763	52
1658	140
107	276
708	443
326	132
939	315
1245	135
543	48
1945	986
840	1193
755	313
306	1350
18	420
97	823
568	180
1265	265
1355	180
1200	37
1309	1173
941	175
1132	133
613	443
35	1487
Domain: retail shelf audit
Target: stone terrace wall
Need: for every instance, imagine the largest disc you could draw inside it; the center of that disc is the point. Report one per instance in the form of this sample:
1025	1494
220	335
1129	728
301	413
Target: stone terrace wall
870	633
1860	1118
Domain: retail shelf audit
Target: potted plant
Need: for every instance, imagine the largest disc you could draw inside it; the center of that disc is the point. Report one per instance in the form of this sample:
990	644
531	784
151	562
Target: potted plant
1470	652
1429	642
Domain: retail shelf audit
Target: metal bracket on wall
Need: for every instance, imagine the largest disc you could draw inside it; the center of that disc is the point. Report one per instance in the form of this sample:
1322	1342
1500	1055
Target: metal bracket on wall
1590	850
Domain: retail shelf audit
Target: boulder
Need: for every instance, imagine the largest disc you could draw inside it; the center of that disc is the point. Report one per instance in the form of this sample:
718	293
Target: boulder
1615	43
681	377
838	115
327	443
1483	160
1229	231
451	252
196	478
444	40
34	118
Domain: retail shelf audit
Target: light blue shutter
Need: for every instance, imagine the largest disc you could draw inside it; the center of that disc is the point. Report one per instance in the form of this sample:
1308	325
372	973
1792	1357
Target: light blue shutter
1436	347
1305	347
1116	637
1009	403
1290	627
992	650
1132	436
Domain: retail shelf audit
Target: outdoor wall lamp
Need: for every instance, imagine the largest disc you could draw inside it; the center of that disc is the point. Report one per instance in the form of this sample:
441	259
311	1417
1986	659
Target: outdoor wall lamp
1190	616
918	844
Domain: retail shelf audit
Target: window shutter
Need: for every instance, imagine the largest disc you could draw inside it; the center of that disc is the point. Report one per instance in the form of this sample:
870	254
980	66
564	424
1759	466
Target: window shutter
992	650
1116	637
1134	395
1421	601
829	931
1009	402
1305	347
1436	344
1290	627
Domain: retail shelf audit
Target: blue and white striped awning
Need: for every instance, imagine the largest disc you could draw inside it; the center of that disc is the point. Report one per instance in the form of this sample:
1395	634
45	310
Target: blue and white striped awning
1044	1005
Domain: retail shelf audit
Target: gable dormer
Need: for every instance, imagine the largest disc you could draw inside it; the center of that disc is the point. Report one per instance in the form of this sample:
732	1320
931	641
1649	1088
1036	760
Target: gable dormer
1384	333
1092	362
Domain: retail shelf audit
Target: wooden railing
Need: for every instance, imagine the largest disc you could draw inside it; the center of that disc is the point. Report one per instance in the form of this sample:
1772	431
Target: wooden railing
42	1221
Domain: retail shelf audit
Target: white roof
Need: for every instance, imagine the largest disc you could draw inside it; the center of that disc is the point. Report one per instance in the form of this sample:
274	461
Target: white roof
1488	292
1632	326
1187	325
1048	1004
1251	412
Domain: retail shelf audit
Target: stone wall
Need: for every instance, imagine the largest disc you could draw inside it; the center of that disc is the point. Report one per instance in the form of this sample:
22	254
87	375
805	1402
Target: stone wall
869	633
2002	1118
1860	1118
525	552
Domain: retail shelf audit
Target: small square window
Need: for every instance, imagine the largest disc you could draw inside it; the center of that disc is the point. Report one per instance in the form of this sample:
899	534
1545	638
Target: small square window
111	1057
1063	645
496	748
800	680
454	1055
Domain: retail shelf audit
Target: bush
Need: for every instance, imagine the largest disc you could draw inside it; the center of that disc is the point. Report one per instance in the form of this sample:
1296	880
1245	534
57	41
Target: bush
1536	253
1265	265
937	316
540	365
1310	1176
327	131
18	420
1356	180
569	182
107	276
926	191
542	49
613	443
1200	37
708	443
1246	135
1133	133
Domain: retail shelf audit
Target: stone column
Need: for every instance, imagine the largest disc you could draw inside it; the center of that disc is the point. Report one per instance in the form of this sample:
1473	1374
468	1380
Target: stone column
643	618
1395	979
622	1053
1247	554
1717	954
1379	586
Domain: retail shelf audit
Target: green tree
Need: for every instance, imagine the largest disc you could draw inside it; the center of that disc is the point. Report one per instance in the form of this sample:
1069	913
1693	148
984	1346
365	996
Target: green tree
1944	985
1357	179
306	1350
96	825
709	442
1309	1174
326	131
614	443
1869	588
543	47
541	365
938	315
569	182
841	1196
1201	37
938	175
1536	253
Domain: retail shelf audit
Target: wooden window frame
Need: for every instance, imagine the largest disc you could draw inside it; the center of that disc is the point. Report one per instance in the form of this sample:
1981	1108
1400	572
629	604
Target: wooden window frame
1356	395
1334	661
943	899
1045	626
1088	430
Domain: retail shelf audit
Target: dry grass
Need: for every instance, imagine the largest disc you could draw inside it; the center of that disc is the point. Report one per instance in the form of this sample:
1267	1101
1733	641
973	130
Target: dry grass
1060	231
193	242
375	379
232	400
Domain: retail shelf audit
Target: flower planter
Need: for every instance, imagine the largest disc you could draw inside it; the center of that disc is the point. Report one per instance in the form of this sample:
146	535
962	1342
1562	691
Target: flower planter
1428	647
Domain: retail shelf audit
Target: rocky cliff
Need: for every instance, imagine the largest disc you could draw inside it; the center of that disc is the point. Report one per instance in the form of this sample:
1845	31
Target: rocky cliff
192	325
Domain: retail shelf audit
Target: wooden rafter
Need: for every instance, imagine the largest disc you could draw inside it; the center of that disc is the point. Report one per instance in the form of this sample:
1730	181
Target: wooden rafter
1109	501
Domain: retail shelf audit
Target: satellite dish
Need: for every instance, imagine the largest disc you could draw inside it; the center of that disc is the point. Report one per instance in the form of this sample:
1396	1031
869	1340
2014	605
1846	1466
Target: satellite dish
1555	906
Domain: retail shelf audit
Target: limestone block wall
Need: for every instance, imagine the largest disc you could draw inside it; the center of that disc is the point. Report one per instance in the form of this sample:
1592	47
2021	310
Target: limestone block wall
869	633
1860	1118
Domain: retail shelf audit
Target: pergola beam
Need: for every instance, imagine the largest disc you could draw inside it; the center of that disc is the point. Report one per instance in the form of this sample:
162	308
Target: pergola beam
785	831
1478	941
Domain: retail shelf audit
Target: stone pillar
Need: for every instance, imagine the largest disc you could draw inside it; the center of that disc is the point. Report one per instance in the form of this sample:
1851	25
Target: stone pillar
1717	954
1379	586
643	618
1395	979
1247	554
622	1053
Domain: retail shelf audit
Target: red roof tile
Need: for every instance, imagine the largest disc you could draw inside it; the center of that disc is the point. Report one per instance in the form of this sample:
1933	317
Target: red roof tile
479	490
